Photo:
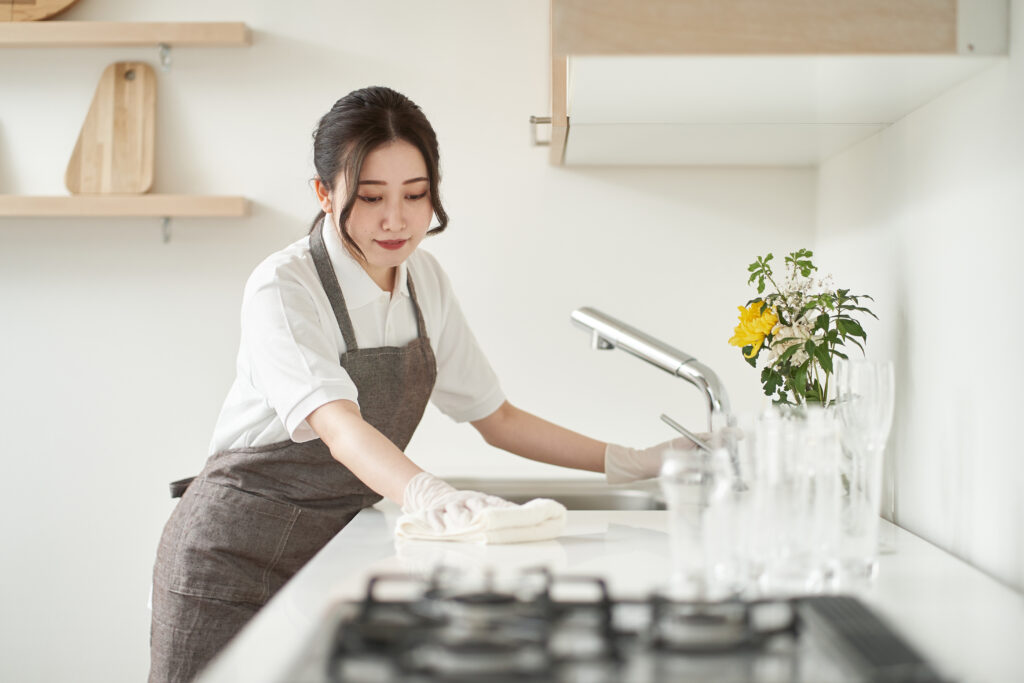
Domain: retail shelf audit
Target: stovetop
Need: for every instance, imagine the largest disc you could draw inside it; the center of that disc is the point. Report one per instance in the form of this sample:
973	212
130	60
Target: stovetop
543	628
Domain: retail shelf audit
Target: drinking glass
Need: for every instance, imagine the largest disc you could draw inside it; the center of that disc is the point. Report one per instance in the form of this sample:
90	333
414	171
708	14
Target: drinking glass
798	498
697	485
865	396
739	532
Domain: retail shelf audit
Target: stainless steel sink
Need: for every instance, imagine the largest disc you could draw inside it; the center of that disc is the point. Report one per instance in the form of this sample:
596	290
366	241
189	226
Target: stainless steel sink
573	494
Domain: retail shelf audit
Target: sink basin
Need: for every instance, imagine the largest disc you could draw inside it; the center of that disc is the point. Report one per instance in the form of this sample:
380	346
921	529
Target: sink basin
573	494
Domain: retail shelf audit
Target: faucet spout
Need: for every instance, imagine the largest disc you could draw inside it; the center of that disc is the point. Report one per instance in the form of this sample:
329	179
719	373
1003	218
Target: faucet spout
609	333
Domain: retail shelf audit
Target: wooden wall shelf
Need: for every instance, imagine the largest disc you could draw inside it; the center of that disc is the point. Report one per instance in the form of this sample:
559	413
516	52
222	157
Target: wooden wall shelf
151	205
117	34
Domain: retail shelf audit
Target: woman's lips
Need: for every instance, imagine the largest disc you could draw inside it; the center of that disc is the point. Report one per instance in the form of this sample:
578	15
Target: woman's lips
391	244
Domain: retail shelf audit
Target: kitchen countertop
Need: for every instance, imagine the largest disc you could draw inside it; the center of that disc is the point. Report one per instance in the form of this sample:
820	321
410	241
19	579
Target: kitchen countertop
969	625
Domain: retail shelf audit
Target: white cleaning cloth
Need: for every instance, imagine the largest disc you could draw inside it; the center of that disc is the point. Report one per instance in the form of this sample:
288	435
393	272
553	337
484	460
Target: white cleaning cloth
537	520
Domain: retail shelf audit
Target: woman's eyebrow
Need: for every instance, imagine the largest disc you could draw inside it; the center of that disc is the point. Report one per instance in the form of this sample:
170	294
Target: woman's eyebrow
381	182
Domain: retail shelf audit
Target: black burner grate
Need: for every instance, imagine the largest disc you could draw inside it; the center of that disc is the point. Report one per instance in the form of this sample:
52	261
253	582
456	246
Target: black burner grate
539	629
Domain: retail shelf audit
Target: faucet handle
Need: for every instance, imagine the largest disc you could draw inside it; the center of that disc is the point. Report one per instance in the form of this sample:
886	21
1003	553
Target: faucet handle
738	485
700	443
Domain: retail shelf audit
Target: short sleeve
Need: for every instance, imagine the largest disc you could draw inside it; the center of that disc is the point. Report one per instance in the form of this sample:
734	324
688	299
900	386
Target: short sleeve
294	358
467	388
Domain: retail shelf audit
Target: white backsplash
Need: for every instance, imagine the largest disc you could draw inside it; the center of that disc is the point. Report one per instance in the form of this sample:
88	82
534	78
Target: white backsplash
927	216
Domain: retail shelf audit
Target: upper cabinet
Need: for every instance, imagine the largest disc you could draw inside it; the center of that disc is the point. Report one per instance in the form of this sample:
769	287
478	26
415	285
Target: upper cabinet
752	82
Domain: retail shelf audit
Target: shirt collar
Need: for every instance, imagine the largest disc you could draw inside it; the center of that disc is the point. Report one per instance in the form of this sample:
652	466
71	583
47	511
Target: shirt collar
356	284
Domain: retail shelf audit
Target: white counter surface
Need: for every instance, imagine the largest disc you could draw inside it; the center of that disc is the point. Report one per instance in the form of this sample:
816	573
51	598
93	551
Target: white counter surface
969	625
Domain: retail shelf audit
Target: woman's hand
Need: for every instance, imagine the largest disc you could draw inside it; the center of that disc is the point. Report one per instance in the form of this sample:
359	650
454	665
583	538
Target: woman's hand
442	506
622	464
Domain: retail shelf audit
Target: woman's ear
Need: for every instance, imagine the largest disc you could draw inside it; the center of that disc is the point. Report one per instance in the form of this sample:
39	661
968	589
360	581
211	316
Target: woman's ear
323	195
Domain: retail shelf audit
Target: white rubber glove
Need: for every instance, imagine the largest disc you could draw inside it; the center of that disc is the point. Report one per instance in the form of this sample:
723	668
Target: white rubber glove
622	464
444	507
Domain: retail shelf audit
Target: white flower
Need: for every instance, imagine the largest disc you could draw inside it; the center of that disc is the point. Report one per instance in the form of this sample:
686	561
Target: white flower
785	336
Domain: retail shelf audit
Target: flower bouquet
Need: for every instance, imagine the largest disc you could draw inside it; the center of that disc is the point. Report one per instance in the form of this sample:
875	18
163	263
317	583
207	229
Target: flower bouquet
800	326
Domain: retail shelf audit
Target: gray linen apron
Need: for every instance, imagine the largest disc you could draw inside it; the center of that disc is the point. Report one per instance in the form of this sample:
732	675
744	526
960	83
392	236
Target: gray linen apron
254	516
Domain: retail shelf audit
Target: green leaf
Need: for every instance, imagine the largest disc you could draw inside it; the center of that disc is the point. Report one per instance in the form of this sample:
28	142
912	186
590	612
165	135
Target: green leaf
821	322
801	259
862	310
771	380
850	328
809	306
782	400
788	353
799	379
821	353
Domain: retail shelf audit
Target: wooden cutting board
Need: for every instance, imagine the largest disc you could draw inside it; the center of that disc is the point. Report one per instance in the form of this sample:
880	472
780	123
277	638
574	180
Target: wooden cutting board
114	152
32	10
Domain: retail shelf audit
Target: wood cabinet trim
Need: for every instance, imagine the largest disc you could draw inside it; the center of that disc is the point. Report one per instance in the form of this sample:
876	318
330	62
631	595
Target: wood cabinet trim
599	27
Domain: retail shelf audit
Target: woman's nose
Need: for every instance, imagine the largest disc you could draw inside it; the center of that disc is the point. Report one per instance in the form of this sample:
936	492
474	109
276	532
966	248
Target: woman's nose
394	220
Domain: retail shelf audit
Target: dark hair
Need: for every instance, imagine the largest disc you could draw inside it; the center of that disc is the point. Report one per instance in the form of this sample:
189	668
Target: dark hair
359	123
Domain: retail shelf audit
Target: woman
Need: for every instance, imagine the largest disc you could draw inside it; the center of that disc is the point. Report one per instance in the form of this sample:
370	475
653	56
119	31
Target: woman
346	335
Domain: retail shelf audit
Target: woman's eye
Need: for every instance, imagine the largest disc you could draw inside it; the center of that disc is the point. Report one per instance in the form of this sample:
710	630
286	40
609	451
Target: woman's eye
421	195
370	200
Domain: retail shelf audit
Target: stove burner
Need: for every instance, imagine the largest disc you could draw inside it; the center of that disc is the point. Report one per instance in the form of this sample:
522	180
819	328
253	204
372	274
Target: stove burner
475	657
697	627
485	599
453	632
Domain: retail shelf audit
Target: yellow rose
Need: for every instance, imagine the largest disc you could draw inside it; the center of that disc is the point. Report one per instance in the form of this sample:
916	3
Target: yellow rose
754	326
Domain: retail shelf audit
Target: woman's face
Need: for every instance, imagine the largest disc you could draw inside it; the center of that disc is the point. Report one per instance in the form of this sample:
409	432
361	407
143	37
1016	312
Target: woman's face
392	211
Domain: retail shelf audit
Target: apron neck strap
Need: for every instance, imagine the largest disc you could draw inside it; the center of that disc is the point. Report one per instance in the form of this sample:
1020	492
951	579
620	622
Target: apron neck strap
329	280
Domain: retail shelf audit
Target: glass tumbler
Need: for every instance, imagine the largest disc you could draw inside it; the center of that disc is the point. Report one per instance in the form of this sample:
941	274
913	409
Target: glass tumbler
697	486
798	451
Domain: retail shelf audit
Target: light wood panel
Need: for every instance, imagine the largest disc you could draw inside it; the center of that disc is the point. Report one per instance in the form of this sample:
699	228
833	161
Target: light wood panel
595	27
155	205
559	103
115	33
114	151
32	10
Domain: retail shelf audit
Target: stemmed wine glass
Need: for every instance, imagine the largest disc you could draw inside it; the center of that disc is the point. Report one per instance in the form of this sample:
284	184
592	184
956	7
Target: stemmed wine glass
865	395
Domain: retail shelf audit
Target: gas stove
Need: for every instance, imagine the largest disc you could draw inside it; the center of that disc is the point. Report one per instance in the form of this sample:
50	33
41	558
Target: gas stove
545	628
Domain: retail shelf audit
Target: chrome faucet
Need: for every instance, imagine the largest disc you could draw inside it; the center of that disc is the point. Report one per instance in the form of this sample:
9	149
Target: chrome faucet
609	333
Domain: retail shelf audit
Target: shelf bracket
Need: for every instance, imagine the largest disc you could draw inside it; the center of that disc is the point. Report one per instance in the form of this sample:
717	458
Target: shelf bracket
165	229
165	57
534	122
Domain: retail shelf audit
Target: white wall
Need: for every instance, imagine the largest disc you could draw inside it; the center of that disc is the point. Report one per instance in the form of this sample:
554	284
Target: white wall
927	216
116	350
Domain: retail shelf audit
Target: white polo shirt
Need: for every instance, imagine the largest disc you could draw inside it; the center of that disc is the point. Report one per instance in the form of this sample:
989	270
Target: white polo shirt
288	357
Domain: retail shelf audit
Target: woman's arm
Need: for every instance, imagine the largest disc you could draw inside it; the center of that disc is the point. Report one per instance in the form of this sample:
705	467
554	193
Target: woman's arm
358	445
525	434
